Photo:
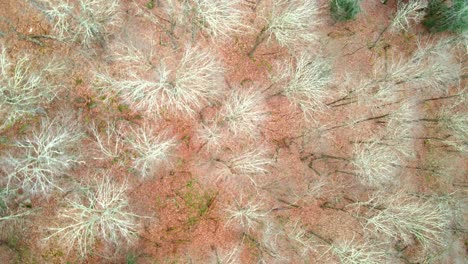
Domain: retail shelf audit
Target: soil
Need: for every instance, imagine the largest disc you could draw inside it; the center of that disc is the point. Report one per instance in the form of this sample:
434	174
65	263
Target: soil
183	204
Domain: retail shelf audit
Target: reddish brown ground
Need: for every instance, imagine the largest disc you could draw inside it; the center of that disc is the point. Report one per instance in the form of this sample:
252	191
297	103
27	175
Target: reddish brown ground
174	232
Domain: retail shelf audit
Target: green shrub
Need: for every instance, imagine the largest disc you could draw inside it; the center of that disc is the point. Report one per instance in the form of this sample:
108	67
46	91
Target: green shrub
343	10
447	16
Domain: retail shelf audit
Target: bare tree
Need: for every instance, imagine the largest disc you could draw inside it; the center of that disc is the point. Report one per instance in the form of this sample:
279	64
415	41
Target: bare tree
196	81
102	213
83	21
43	157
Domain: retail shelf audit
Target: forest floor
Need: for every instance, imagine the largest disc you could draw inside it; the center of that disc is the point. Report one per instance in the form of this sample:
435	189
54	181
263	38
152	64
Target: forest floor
310	184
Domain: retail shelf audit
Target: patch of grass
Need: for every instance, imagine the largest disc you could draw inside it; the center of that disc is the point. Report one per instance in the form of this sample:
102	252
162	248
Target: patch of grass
123	108
52	255
150	4
197	200
12	237
4	140
13	242
91	105
344	10
131	258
